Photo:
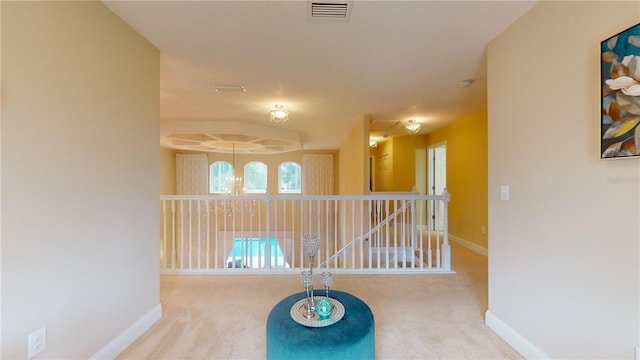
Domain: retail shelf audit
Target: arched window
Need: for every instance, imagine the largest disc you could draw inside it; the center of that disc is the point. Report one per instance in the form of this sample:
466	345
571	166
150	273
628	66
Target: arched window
255	177
289	178
220	177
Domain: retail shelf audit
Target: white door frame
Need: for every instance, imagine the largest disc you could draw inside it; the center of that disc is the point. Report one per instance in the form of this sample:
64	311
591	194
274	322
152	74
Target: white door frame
437	179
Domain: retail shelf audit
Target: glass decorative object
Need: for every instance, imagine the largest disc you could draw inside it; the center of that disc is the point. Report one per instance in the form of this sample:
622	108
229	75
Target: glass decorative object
328	310
324	308
326	280
310	246
306	280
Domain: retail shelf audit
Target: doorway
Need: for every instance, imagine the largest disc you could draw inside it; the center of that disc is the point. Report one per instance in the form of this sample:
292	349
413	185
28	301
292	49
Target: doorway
384	173
437	179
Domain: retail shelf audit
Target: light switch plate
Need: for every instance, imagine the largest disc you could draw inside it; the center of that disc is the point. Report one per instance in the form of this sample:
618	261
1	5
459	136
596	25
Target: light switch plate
504	192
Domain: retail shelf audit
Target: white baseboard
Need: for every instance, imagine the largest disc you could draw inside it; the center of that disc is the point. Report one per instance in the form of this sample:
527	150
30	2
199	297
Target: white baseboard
131	334
513	338
469	245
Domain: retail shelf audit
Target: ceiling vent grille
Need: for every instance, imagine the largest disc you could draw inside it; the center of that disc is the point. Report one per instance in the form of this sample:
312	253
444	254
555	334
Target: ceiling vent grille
229	88
332	10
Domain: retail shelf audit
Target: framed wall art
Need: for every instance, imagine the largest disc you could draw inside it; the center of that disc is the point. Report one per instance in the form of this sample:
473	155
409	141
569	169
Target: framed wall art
620	78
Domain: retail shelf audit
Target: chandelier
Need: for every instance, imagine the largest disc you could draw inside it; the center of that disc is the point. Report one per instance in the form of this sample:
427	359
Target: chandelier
412	127
236	204
234	182
279	114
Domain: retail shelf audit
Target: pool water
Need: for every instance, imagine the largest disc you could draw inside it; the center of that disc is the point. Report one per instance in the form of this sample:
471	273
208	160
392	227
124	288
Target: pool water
250	253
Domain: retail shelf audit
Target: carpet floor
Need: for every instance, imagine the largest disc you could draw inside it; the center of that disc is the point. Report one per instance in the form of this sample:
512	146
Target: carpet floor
416	316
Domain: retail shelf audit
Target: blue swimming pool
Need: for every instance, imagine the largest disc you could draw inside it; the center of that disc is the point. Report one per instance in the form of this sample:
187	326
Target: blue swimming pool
251	252
255	247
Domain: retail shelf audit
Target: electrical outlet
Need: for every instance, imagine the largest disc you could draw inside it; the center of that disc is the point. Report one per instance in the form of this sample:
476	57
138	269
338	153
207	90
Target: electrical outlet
37	342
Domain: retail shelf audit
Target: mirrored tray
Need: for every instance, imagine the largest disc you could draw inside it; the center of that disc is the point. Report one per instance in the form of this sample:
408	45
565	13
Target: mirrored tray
297	313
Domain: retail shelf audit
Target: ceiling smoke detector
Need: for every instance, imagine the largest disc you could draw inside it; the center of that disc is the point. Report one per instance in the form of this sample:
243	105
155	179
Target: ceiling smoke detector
330	10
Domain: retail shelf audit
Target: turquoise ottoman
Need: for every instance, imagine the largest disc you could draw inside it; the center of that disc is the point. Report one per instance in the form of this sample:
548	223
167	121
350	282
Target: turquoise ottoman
350	338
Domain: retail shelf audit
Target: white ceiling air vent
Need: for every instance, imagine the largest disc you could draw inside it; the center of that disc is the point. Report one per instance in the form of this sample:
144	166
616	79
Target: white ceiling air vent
229	88
330	10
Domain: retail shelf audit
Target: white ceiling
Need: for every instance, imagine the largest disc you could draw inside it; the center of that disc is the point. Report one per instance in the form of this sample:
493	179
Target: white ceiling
391	60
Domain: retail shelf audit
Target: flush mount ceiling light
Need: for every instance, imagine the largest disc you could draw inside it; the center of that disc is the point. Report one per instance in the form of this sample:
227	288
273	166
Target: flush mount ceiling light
412	127
279	114
373	143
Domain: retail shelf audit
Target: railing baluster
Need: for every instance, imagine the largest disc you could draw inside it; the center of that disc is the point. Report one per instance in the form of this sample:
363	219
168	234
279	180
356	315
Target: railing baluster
367	233
421	233
318	215
190	235
164	234
215	251
182	235
199	234
208	252
361	245
387	237
335	233
173	234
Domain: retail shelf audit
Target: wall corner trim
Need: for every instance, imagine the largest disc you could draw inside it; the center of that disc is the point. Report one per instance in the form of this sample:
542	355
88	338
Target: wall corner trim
513	338
128	336
469	245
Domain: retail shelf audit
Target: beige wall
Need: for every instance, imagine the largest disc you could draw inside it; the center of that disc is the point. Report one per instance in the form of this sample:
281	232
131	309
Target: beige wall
563	251
80	177
466	176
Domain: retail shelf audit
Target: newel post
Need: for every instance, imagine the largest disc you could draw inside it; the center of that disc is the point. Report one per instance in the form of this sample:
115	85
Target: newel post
446	249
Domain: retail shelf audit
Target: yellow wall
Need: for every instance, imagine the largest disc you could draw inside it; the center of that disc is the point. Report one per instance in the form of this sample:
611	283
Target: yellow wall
80	178
384	158
354	160
466	176
404	163
167	171
400	155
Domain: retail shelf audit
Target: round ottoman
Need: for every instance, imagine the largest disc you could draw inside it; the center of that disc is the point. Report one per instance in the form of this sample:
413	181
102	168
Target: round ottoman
350	338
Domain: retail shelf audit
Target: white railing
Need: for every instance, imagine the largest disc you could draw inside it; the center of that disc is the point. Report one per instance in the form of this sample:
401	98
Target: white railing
382	232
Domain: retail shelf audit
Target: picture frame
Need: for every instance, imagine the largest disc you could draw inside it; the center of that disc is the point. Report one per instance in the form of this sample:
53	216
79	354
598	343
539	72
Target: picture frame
620	101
